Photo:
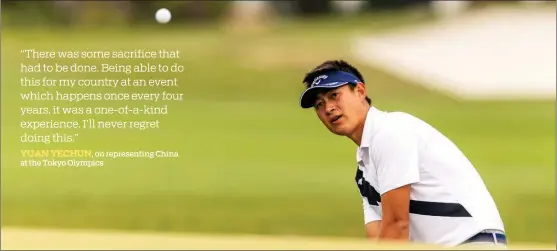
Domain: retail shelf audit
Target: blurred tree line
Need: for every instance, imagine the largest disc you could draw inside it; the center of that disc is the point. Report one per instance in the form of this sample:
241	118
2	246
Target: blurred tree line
91	13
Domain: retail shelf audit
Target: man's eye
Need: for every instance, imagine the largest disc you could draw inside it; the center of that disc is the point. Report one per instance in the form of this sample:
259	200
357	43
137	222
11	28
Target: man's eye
319	104
334	95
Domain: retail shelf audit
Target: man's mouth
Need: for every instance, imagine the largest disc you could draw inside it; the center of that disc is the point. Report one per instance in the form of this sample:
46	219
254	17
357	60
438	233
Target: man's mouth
335	118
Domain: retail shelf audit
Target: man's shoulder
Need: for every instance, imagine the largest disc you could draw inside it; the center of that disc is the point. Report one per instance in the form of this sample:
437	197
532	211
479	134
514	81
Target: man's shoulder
401	129
394	124
398	128
400	116
399	122
395	127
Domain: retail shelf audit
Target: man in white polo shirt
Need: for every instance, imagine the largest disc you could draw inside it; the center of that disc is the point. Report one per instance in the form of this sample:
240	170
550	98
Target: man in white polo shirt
416	185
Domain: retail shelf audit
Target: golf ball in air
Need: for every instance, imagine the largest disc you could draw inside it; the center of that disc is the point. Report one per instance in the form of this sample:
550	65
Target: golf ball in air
163	16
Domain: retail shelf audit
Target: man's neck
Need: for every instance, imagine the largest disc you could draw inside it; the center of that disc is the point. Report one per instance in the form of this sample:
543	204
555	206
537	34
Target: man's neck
356	136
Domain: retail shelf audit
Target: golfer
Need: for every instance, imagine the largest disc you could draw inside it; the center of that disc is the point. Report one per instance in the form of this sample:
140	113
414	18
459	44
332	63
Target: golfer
416	185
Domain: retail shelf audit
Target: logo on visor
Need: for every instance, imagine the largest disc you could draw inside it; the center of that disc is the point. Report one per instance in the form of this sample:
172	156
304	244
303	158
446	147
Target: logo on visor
317	80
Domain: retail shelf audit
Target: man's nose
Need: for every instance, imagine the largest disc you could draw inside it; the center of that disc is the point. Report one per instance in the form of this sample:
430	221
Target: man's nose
329	108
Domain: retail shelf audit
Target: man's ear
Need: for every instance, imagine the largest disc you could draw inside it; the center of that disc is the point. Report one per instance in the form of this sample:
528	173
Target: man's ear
361	90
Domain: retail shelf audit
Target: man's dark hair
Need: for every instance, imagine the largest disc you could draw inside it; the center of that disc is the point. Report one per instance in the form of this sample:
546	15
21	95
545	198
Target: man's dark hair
333	65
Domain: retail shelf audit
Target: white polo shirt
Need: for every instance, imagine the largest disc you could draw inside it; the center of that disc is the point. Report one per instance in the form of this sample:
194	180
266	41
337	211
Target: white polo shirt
449	202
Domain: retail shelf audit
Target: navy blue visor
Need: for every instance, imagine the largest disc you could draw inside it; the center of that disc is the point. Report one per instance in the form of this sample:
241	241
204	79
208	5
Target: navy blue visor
326	81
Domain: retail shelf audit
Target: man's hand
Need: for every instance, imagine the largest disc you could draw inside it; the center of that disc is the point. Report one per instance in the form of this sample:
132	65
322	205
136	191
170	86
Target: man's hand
395	206
372	230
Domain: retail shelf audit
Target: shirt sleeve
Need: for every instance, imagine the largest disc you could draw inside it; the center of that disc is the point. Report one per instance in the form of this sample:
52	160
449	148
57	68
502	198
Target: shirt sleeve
369	214
395	153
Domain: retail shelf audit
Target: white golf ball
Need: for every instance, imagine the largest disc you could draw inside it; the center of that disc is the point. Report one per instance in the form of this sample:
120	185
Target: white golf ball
163	16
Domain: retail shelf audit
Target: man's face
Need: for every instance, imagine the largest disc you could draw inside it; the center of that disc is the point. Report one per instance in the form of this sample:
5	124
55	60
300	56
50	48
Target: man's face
342	110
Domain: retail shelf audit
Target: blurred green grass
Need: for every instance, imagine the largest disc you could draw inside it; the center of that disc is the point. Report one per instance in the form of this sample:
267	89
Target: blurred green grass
251	160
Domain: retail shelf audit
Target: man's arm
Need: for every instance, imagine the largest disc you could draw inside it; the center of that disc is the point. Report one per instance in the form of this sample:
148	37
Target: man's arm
372	229
396	157
396	216
372	220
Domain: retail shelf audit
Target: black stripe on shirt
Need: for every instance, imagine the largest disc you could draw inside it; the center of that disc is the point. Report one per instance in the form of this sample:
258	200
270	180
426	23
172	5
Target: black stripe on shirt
440	209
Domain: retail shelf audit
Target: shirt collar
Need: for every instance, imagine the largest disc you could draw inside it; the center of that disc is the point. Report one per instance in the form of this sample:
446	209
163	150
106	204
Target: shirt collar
368	131
369	126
